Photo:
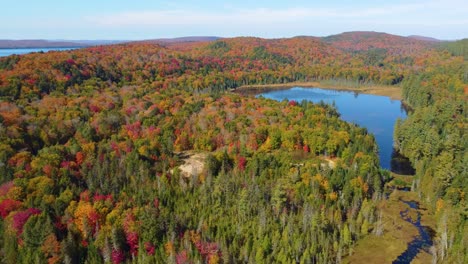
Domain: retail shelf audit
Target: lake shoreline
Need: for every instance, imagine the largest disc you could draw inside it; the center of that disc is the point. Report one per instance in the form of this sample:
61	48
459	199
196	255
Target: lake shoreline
393	92
5	52
376	113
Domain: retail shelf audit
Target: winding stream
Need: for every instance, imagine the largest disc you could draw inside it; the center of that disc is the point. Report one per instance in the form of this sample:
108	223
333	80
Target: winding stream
421	242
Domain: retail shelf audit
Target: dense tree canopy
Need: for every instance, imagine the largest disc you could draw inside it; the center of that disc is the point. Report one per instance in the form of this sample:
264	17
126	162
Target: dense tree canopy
91	141
434	138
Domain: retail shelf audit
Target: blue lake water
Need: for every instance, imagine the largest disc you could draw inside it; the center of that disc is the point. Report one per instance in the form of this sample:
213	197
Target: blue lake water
8	52
377	113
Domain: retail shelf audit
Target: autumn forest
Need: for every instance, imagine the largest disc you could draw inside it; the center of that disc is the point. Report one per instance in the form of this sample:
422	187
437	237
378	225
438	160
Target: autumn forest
93	143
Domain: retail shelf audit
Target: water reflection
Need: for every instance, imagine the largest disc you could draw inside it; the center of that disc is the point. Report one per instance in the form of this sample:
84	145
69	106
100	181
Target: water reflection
376	113
400	164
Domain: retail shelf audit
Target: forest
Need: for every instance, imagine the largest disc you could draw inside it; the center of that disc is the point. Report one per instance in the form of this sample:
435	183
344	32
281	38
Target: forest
92	141
434	138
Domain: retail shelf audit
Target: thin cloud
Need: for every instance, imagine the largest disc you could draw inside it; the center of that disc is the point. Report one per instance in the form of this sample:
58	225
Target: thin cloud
184	17
443	19
414	13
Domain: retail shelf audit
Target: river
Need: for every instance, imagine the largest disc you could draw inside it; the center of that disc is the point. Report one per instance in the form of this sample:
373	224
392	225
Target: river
376	113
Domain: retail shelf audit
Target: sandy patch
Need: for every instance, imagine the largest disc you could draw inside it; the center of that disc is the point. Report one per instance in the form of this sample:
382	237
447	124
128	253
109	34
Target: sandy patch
194	164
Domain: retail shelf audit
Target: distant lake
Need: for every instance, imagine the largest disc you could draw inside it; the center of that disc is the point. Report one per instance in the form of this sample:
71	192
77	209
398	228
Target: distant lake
376	113
8	52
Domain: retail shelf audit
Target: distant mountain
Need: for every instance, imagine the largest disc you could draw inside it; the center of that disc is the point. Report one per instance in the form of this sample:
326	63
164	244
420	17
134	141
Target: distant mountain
363	37
367	40
423	38
181	39
38	43
99	42
357	40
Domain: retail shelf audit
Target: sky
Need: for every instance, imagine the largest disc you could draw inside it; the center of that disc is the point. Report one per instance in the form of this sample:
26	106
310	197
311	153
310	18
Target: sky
149	19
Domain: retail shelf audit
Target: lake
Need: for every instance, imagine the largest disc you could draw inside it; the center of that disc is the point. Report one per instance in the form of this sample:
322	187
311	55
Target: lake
376	113
8	52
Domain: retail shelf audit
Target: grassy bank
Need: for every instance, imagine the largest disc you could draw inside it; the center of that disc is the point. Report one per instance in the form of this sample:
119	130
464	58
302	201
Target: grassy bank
394	92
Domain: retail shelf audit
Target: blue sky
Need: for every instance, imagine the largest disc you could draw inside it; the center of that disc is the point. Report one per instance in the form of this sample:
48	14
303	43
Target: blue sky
146	19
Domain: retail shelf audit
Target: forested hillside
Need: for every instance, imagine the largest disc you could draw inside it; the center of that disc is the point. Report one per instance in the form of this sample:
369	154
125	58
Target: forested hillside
214	66
434	138
91	141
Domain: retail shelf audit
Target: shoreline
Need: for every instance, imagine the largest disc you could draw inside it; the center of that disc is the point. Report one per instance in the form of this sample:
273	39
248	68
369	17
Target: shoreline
393	92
